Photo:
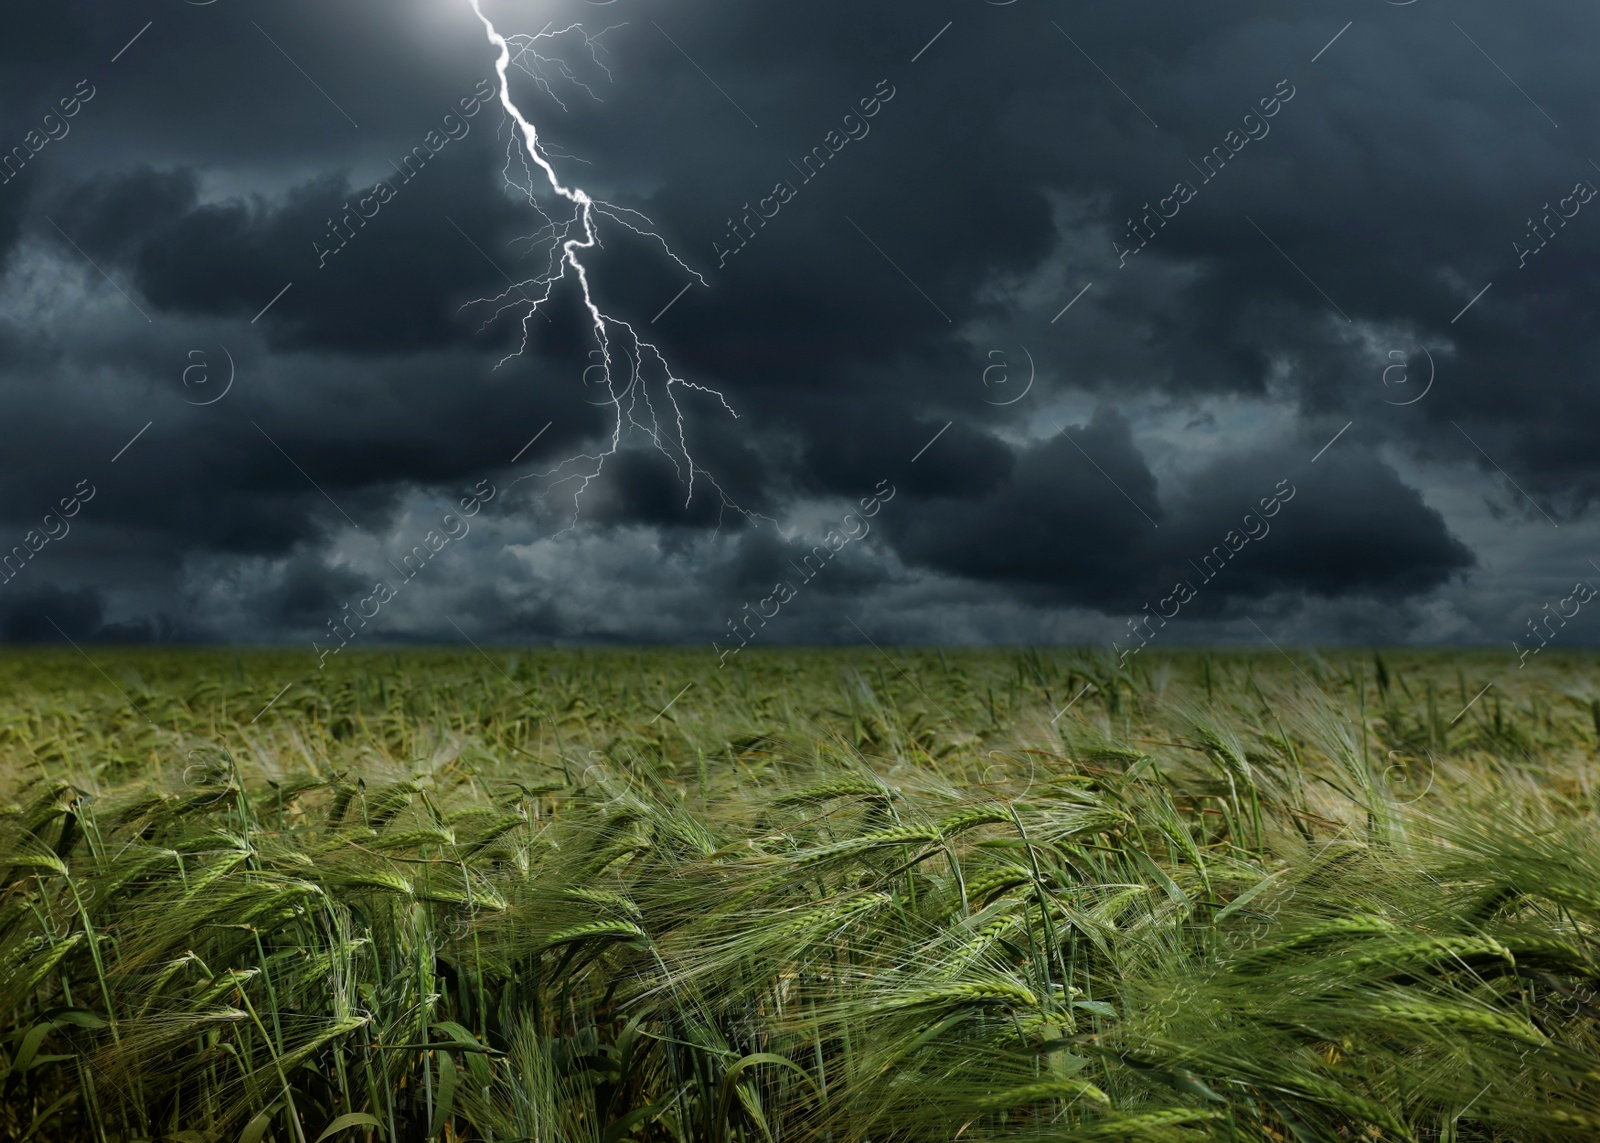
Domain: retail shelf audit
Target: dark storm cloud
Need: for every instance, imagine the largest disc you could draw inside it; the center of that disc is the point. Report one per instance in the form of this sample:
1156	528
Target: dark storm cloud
851	459
13	212
47	614
1081	521
1057	525
640	487
1348	525
393	290
1013	158
40	616
308	593
293	447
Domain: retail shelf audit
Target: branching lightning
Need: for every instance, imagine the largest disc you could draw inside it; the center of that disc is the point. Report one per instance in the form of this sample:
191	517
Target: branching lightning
628	365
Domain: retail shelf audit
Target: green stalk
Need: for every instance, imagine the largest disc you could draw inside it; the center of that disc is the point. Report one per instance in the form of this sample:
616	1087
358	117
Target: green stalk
277	1064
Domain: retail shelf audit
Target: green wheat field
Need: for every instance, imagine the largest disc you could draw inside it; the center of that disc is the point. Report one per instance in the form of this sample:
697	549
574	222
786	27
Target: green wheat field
831	895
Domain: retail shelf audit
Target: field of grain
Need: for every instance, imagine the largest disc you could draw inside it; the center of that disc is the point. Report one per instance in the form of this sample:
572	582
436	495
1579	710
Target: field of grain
833	895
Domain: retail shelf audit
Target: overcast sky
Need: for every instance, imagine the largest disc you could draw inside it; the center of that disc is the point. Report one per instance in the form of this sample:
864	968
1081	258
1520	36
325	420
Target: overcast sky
958	321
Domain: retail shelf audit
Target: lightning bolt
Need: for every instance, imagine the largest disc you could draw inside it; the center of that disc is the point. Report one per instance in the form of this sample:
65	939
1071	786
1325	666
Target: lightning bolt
630	366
